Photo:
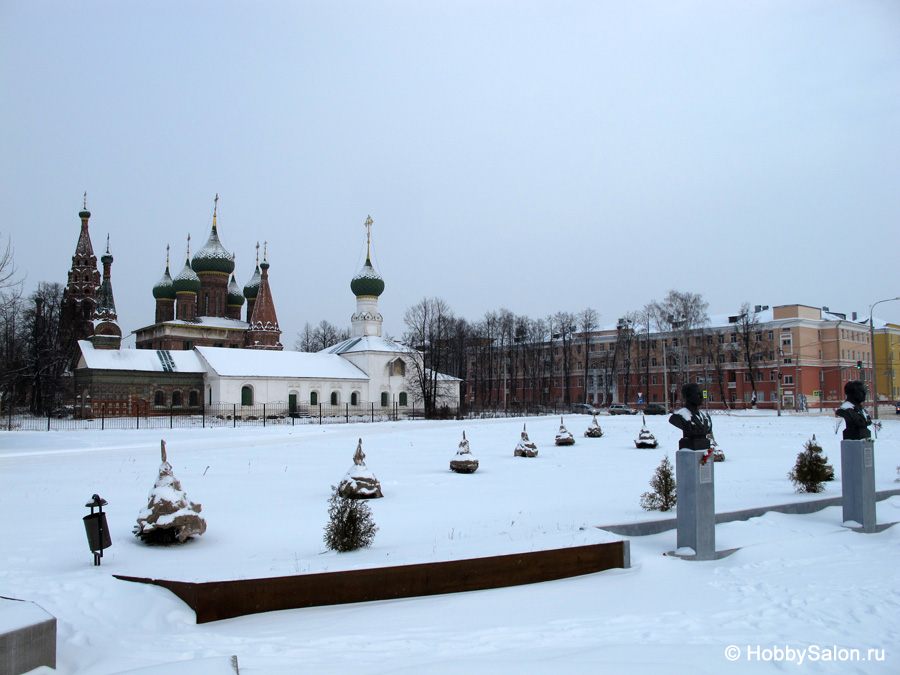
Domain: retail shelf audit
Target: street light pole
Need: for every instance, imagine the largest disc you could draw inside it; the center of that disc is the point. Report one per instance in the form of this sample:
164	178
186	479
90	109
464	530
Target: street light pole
872	350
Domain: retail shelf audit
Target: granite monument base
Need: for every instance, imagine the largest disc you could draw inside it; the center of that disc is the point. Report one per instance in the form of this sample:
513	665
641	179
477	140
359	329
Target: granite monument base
696	506
858	483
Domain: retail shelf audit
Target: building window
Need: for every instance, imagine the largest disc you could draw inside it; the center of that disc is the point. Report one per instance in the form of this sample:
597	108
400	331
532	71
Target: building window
176	399
194	398
789	379
159	398
335	398
246	395
314	398
402	399
384	397
187	345
354	398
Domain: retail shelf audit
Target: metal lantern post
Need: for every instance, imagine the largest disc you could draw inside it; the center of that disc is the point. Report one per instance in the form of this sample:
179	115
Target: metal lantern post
96	528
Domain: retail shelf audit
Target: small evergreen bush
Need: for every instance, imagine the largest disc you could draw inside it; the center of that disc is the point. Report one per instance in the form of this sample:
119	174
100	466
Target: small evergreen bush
350	525
663	496
812	469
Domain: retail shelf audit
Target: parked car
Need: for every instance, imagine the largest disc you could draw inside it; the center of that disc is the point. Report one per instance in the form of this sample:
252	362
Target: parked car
584	409
898	407
621	409
654	409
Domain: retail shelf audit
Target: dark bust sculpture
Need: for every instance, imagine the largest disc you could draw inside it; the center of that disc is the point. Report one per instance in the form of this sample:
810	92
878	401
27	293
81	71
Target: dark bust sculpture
854	414
693	422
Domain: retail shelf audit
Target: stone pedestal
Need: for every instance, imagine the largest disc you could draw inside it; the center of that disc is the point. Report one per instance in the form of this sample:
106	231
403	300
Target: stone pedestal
696	506
858	482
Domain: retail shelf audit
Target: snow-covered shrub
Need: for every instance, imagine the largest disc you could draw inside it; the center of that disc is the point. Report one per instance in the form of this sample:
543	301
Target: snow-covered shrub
811	469
645	439
525	448
359	482
593	430
717	454
350	524
464	461
170	517
564	436
664	494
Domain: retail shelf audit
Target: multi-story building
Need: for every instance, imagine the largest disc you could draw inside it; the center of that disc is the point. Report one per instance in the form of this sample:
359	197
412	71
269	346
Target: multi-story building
887	360
790	356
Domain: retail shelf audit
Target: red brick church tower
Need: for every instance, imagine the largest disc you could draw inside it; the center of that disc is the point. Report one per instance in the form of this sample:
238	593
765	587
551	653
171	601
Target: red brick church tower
264	332
79	301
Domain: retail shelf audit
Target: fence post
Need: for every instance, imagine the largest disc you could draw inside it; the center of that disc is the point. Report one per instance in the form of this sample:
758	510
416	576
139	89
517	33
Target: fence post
373	411
347	413
48	420
137	419
264	414
102	417
170	415
203	414
320	413
234	416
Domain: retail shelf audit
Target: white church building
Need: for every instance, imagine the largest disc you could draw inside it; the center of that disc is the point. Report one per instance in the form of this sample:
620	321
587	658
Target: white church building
366	370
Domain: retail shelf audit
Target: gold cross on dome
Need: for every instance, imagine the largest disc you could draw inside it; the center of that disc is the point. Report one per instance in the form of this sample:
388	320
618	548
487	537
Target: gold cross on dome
368	233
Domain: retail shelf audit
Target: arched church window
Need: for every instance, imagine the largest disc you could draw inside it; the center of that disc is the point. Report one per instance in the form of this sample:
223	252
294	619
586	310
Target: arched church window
384	399
159	398
176	399
246	395
354	398
335	398
194	398
402	398
314	398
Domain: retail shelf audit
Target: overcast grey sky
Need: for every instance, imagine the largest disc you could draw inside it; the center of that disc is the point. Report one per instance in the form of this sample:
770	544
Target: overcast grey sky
539	156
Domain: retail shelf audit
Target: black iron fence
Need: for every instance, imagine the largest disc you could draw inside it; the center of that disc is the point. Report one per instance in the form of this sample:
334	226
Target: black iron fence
219	415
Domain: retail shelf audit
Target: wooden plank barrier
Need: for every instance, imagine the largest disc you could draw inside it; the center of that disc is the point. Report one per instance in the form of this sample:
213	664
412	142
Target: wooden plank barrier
217	600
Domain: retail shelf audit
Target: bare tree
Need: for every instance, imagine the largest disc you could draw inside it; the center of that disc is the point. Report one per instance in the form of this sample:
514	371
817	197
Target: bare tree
562	327
753	341
306	339
679	317
428	328
45	361
588	320
7	267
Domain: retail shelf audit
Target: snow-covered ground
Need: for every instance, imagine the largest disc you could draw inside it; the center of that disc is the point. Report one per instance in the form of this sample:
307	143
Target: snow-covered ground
798	581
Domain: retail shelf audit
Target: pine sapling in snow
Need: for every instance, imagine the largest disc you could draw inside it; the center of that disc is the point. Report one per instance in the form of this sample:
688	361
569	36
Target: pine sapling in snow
350	524
812	468
663	496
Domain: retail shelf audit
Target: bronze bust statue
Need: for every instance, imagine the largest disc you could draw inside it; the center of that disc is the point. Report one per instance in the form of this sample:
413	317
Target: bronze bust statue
854	414
694	423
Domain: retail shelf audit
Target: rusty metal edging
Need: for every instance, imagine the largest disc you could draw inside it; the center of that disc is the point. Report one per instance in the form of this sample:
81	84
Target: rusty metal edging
217	600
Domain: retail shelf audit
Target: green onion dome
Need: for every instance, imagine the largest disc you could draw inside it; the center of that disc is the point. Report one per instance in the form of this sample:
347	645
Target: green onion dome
367	282
251	290
187	280
84	215
213	257
164	290
235	297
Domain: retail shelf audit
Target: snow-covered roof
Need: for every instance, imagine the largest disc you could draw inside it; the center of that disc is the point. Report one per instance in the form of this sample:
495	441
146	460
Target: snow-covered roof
153	360
227	362
367	343
206	321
